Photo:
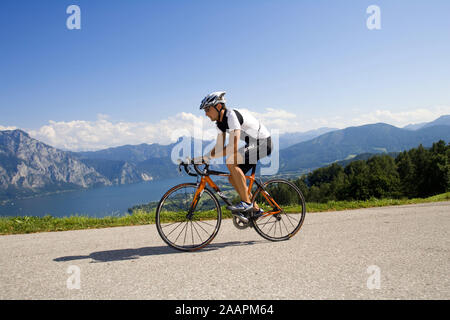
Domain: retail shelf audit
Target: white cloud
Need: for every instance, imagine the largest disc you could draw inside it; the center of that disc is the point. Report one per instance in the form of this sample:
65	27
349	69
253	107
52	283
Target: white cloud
395	118
102	116
80	135
103	133
279	119
7	128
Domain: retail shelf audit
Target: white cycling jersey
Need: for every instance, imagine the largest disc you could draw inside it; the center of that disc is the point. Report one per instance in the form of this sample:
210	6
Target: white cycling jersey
240	119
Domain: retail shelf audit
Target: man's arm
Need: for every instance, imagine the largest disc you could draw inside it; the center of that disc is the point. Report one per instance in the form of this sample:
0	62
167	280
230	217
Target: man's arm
216	151
219	147
232	147
220	150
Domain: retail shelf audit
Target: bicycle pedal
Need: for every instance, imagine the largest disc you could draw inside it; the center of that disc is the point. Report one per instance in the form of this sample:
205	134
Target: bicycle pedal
240	224
240	216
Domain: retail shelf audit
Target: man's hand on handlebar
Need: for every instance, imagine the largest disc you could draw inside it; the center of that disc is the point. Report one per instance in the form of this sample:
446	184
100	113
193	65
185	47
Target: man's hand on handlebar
201	160
195	162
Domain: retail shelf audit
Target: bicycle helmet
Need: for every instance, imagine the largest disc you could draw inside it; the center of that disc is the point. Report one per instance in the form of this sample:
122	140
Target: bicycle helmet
212	99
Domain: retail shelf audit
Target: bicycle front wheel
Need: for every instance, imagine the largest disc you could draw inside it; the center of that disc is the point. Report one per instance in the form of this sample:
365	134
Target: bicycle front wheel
185	229
284	210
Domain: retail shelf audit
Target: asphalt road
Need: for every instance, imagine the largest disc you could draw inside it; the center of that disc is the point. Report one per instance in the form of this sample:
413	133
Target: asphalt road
399	252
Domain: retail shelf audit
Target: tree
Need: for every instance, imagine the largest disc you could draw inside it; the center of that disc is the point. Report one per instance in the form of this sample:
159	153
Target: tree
425	172
406	171
438	177
358	181
323	175
301	184
384	180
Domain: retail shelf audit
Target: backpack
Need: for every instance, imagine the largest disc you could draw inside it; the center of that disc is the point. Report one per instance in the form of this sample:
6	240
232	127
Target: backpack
223	125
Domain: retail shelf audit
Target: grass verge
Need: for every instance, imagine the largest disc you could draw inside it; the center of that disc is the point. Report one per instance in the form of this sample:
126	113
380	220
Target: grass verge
20	225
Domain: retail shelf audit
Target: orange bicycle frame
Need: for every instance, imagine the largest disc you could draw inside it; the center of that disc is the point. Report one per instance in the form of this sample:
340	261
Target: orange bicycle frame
207	180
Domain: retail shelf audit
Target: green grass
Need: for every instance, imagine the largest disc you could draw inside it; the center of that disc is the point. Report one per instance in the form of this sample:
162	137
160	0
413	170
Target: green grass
19	225
348	205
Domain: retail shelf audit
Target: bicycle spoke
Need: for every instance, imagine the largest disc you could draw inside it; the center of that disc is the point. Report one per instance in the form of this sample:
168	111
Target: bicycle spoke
281	231
180	233
289	219
201	227
275	230
204	222
279	194
175	228
285	227
198	234
192	234
267	222
170	224
272	226
185	233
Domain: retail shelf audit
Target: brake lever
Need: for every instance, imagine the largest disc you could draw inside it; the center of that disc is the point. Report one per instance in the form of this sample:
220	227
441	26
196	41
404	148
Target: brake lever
204	171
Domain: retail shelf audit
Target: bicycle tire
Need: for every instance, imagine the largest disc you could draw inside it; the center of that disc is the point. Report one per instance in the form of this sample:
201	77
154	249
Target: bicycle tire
292	222
199	223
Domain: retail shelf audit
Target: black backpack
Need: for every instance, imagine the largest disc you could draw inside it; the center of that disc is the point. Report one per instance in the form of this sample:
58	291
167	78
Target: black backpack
223	125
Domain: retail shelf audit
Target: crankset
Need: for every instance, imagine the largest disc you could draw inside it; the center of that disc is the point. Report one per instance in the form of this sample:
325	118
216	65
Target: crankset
240	224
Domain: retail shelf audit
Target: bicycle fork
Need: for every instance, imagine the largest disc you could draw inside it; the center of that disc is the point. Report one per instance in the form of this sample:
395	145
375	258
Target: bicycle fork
197	195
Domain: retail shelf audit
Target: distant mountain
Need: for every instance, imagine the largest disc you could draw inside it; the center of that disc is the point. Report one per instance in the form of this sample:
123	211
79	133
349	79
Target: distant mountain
141	152
143	161
118	172
291	138
28	166
131	163
346	143
129	153
442	120
415	126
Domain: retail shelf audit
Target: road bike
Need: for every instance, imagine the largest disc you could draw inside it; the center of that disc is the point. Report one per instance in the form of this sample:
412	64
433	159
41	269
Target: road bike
189	215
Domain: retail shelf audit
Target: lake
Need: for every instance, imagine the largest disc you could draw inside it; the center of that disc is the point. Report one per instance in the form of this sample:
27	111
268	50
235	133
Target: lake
96	202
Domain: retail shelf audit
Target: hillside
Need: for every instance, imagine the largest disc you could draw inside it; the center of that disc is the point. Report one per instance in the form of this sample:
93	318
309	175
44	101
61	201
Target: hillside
346	143
28	166
441	121
291	138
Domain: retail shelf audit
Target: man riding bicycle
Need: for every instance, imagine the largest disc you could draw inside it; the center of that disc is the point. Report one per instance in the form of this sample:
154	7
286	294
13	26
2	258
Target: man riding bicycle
240	125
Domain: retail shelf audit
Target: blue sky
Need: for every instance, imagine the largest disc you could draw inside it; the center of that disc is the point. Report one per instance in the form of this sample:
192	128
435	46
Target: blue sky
310	63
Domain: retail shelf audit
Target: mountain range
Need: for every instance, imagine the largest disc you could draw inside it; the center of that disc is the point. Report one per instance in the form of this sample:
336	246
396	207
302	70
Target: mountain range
443	120
291	138
347	143
29	167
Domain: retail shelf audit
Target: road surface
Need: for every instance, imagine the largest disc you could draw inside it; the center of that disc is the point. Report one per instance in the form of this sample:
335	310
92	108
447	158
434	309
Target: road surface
399	252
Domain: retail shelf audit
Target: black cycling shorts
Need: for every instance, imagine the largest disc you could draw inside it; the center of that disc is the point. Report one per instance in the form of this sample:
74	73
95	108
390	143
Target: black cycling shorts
254	151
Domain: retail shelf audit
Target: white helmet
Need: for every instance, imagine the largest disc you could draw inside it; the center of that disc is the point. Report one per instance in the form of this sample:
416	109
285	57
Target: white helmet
212	99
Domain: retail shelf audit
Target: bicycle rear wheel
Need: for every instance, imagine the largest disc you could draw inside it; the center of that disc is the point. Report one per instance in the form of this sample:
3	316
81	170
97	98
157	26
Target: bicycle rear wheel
276	224
182	230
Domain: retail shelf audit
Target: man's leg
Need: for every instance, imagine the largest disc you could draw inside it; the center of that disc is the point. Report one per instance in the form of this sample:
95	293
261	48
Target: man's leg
255	205
238	181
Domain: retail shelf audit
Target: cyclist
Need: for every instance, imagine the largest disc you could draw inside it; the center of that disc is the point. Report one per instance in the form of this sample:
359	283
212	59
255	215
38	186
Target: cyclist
240	125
